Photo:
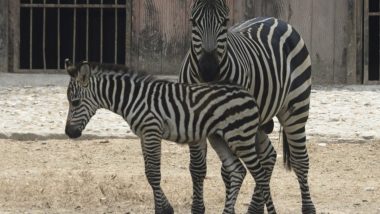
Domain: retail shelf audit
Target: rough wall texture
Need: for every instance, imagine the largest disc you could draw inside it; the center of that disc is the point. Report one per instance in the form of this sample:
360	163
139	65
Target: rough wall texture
329	31
3	35
159	33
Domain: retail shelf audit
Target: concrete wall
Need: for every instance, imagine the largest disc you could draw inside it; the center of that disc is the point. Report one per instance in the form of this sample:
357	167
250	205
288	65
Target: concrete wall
3	35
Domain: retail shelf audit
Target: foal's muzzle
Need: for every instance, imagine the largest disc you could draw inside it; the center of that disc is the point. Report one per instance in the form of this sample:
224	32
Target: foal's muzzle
73	131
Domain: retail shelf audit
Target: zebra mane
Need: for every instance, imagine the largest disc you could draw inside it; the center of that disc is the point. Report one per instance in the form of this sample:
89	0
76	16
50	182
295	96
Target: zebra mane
227	83
105	68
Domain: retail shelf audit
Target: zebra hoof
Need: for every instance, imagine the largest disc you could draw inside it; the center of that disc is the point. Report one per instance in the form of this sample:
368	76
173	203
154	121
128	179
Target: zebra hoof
256	210
308	209
165	210
228	211
198	209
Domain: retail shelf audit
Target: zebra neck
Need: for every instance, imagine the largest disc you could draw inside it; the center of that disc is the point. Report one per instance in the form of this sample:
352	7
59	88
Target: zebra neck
123	94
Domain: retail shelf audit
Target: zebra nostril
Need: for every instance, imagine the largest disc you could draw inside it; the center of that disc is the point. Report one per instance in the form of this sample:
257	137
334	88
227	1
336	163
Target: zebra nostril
73	131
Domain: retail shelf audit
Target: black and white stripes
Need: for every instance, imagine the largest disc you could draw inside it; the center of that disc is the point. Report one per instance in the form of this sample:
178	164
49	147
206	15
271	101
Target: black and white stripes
157	110
267	57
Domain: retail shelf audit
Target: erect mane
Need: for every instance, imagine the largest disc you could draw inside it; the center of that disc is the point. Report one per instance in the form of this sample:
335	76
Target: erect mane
104	68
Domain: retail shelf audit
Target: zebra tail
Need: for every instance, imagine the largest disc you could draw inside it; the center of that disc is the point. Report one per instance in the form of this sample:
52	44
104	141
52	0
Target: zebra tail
286	152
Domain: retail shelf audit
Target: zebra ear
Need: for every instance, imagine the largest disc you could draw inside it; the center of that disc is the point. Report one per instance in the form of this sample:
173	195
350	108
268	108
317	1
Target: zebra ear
84	74
70	68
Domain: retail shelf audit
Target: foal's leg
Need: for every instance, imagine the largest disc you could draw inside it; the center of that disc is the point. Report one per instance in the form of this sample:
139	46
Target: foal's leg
267	155
151	147
246	151
233	172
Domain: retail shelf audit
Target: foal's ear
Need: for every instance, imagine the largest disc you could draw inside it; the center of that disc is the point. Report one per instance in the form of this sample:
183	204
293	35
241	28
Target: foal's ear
84	74
70	68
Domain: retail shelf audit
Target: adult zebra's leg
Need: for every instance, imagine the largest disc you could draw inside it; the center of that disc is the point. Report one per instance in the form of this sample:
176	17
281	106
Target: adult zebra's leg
267	155
152	158
233	172
198	169
295	151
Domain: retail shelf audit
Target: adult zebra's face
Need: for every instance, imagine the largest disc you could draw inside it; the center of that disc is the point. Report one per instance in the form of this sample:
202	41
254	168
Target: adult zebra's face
209	36
82	105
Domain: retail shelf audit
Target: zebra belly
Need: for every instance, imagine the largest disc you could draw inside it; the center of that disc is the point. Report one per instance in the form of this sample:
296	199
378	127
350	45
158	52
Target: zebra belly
178	133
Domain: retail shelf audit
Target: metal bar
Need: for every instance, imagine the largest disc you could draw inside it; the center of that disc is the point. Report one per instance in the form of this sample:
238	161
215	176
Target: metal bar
366	41
78	6
128	34
44	37
87	28
41	71
101	33
59	37
74	31
31	38
116	32
374	14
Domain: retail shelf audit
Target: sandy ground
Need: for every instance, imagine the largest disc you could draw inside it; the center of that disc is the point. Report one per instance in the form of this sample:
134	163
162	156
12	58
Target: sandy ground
107	176
44	172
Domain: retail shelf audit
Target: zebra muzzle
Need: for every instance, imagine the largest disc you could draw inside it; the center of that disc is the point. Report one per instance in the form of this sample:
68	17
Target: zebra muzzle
73	131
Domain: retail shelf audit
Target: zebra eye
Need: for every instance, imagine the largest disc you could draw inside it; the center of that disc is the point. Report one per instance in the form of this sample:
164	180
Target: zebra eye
75	103
226	20
193	22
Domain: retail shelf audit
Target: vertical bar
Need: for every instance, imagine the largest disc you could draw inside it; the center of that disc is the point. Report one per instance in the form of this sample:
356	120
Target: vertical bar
101	32
31	38
44	35
116	32
87	28
14	36
366	41
128	33
74	30
378	38
59	36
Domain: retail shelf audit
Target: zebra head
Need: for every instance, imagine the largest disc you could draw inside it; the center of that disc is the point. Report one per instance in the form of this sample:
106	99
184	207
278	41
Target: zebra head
209	36
82	103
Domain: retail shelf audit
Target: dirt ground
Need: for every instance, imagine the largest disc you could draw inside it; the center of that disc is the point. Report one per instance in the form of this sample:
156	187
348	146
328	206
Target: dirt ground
107	176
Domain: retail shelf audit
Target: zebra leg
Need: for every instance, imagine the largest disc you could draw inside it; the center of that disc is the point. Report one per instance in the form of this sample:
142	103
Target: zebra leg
198	169
235	176
295	151
152	159
246	151
267	155
233	172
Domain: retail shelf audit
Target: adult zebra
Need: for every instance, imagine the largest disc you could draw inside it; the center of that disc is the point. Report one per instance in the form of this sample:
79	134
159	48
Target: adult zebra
267	57
156	110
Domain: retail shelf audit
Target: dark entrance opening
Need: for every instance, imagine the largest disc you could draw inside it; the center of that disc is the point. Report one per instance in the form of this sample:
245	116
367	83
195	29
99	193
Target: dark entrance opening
52	30
374	41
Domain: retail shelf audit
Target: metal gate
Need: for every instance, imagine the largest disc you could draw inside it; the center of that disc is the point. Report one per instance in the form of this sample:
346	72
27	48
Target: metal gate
371	42
92	30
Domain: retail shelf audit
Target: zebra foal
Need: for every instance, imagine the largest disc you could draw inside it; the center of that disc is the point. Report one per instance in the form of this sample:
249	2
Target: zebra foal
156	110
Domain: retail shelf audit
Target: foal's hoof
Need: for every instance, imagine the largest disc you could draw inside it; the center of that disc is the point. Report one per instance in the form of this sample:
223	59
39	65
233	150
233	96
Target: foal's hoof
165	210
308	209
200	209
256	209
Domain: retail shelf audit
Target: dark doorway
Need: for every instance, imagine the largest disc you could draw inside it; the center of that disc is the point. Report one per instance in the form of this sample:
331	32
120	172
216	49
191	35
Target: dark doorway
373	41
52	30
